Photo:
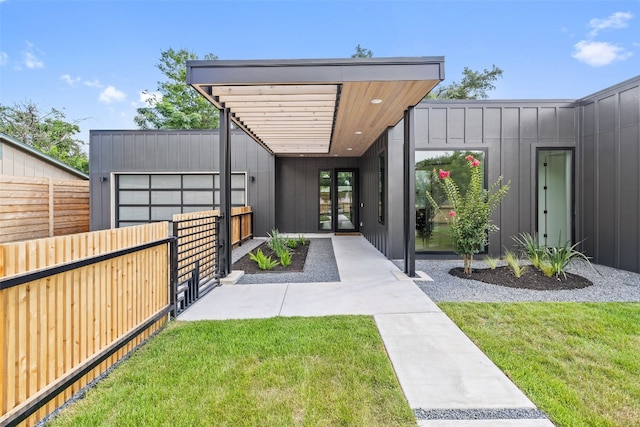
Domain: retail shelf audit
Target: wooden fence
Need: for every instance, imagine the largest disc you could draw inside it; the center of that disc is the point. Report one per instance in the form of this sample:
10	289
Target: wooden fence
71	307
32	208
241	225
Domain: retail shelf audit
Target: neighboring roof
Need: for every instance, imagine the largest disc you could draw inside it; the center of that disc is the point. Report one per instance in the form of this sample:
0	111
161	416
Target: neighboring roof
35	153
316	106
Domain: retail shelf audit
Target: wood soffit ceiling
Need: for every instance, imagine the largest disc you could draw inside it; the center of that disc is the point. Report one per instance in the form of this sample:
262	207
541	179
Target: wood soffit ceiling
317	113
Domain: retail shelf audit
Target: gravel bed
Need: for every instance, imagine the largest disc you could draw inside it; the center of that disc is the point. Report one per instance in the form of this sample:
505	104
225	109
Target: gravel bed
609	285
320	265
479	414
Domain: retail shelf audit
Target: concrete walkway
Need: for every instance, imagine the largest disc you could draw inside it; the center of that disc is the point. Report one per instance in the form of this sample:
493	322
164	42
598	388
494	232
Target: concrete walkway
446	379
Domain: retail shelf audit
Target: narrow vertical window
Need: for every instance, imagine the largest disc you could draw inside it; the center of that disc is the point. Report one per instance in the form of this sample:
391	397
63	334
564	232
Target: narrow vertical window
325	204
381	189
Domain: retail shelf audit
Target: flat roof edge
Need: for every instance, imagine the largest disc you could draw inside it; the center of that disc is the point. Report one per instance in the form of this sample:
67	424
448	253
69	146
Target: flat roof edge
403	60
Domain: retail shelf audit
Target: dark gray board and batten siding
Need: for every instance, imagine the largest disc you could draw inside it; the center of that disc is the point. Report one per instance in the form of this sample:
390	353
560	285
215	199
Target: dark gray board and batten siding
179	151
610	132
509	132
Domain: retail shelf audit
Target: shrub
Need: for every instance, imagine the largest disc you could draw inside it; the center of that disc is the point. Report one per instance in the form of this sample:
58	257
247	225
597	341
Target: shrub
264	262
470	214
292	243
302	240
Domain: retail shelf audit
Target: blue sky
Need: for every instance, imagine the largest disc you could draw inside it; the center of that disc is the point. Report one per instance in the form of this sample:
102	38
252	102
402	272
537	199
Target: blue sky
92	59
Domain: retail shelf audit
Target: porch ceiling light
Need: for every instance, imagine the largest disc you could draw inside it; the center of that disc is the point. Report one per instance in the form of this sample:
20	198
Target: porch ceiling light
358	132
376	101
349	149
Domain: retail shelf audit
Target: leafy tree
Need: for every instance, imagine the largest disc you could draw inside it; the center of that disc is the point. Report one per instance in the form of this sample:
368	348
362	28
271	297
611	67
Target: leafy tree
362	52
49	133
474	85
177	105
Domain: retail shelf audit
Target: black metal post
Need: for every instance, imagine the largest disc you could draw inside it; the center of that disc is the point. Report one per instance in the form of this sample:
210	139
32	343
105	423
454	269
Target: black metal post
225	193
409	193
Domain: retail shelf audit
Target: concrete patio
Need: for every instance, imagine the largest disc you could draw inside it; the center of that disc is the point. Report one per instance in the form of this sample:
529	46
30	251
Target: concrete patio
446	379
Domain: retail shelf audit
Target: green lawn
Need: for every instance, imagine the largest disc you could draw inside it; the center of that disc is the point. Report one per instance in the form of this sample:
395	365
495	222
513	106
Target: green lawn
578	362
330	371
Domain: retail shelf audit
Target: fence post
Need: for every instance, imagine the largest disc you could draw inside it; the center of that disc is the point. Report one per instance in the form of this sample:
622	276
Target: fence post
173	266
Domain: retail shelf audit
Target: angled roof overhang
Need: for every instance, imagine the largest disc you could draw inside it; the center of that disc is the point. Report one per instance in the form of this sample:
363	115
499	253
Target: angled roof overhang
316	107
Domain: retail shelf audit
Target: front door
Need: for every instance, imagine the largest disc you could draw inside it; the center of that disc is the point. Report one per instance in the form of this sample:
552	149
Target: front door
338	206
555	196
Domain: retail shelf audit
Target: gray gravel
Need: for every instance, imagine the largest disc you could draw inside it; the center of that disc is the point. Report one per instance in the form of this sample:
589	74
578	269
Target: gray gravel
609	285
479	414
320	265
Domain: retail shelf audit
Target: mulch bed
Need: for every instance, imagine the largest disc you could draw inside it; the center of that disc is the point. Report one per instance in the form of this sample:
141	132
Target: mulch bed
532	278
298	258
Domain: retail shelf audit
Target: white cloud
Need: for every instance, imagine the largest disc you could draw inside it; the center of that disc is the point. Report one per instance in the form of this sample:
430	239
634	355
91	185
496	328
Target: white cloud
69	80
93	83
111	94
3	56
30	59
598	54
617	20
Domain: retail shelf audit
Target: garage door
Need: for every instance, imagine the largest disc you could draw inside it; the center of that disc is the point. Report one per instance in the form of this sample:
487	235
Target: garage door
144	198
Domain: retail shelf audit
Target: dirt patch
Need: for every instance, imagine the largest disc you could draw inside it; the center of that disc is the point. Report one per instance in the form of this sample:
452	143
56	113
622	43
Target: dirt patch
532	278
298	258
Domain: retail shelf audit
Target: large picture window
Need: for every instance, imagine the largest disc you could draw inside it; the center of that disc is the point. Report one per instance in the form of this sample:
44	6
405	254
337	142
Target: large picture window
144	198
432	227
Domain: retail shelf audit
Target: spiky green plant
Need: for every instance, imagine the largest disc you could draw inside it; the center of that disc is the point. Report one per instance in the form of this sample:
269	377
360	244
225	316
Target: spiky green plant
513	262
491	262
285	258
531	248
264	262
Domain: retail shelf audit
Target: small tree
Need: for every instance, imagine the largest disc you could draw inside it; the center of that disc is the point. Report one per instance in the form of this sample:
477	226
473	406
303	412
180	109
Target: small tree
176	105
47	132
470	214
362	52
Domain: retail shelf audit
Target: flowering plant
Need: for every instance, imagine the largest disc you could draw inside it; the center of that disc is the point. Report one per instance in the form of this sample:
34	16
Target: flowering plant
470	214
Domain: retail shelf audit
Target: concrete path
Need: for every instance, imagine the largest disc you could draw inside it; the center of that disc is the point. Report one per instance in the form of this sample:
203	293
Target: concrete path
446	379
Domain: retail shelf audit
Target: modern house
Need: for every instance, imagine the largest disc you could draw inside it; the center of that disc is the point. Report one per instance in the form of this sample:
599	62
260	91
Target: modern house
349	145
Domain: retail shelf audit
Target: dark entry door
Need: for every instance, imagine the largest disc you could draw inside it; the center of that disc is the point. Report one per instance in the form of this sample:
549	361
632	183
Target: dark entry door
346	200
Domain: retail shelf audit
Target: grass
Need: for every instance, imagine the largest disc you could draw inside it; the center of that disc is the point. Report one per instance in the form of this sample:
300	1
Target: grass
578	362
330	371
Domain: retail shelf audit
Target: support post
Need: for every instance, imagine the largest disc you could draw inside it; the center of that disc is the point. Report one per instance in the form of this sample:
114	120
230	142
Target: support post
225	193
409	193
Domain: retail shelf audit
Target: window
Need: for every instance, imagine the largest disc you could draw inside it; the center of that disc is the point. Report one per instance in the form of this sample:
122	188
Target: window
143	198
381	188
432	228
325	203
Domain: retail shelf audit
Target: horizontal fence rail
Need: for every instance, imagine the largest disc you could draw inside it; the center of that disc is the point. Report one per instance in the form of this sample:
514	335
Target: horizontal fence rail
196	257
196	254
72	307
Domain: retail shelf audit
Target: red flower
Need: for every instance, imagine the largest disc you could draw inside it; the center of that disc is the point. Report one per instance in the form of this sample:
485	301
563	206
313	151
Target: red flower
452	213
475	163
469	158
444	174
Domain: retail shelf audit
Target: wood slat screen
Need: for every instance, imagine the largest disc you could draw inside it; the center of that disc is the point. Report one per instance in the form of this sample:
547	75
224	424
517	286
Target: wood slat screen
33	208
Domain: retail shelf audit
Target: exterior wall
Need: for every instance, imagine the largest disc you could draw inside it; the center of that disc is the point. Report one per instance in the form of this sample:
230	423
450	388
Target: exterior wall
510	132
610	122
372	229
297	192
17	162
178	151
